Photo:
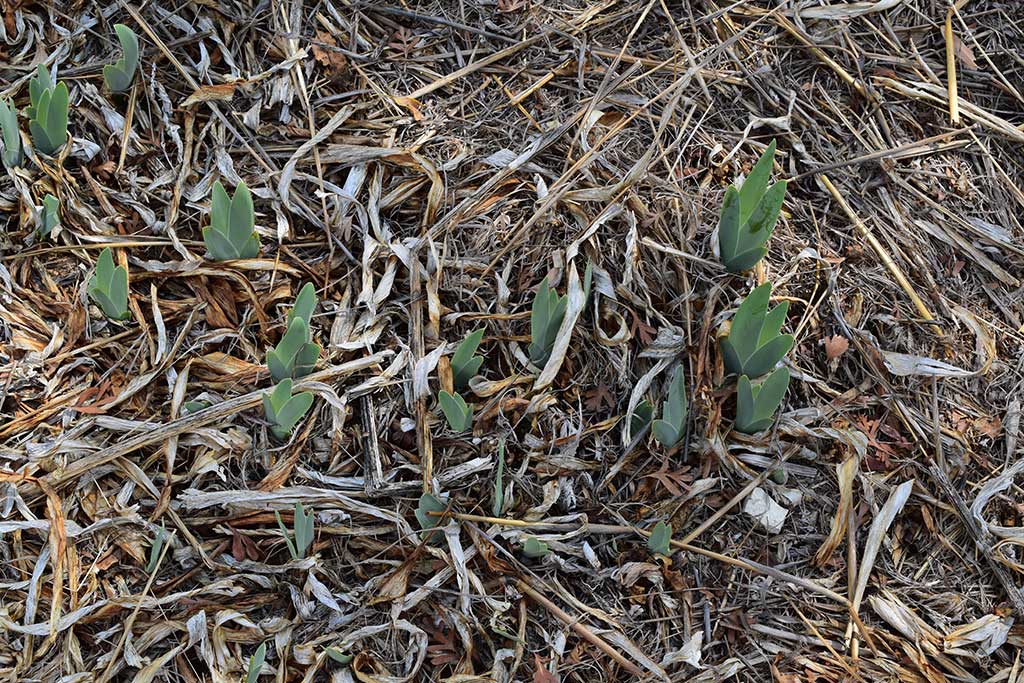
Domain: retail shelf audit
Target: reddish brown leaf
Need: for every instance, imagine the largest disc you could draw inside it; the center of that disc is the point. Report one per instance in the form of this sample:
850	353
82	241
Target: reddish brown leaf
835	346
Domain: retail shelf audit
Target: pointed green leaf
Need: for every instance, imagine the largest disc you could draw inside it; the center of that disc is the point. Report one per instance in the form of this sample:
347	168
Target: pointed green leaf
256	663
220	209
756	182
251	248
467	372
118	292
674	409
731	359
305	360
129	61
57	116
280	394
666	433
242	215
539	313
51	215
773	322
659	540
340	657
641	417
729	225
305	303
766	357
293	410
456	411
765	215
464	352
218	246
11	134
770	394
748	321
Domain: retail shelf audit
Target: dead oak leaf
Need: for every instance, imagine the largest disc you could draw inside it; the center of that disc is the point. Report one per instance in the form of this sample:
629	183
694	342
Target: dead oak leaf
540	673
835	346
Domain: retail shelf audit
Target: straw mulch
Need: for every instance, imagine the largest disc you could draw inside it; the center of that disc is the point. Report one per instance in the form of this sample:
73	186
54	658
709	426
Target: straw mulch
426	165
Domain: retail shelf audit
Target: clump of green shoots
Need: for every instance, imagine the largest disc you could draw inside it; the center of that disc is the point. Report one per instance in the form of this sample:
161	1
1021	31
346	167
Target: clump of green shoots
296	355
545	319
756	403
669	430
302	538
231	233
464	364
458	413
749	216
48	112
120	74
754	343
108	287
284	410
10	134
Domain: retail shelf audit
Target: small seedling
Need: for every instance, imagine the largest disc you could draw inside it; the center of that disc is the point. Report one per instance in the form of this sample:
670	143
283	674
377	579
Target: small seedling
155	548
545	319
109	287
658	541
302	539
284	410
256	663
10	134
756	404
749	216
50	216
456	411
119	75
230	234
295	356
48	113
195	406
642	415
339	656
464	364
534	547
670	428
429	503
754	344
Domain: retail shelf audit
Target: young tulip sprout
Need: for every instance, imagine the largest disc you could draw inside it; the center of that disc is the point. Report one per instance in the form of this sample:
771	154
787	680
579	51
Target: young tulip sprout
754	344
670	428
464	364
545	319
120	74
301	540
756	403
283	410
48	112
749	216
296	355
108	287
458	413
230	234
